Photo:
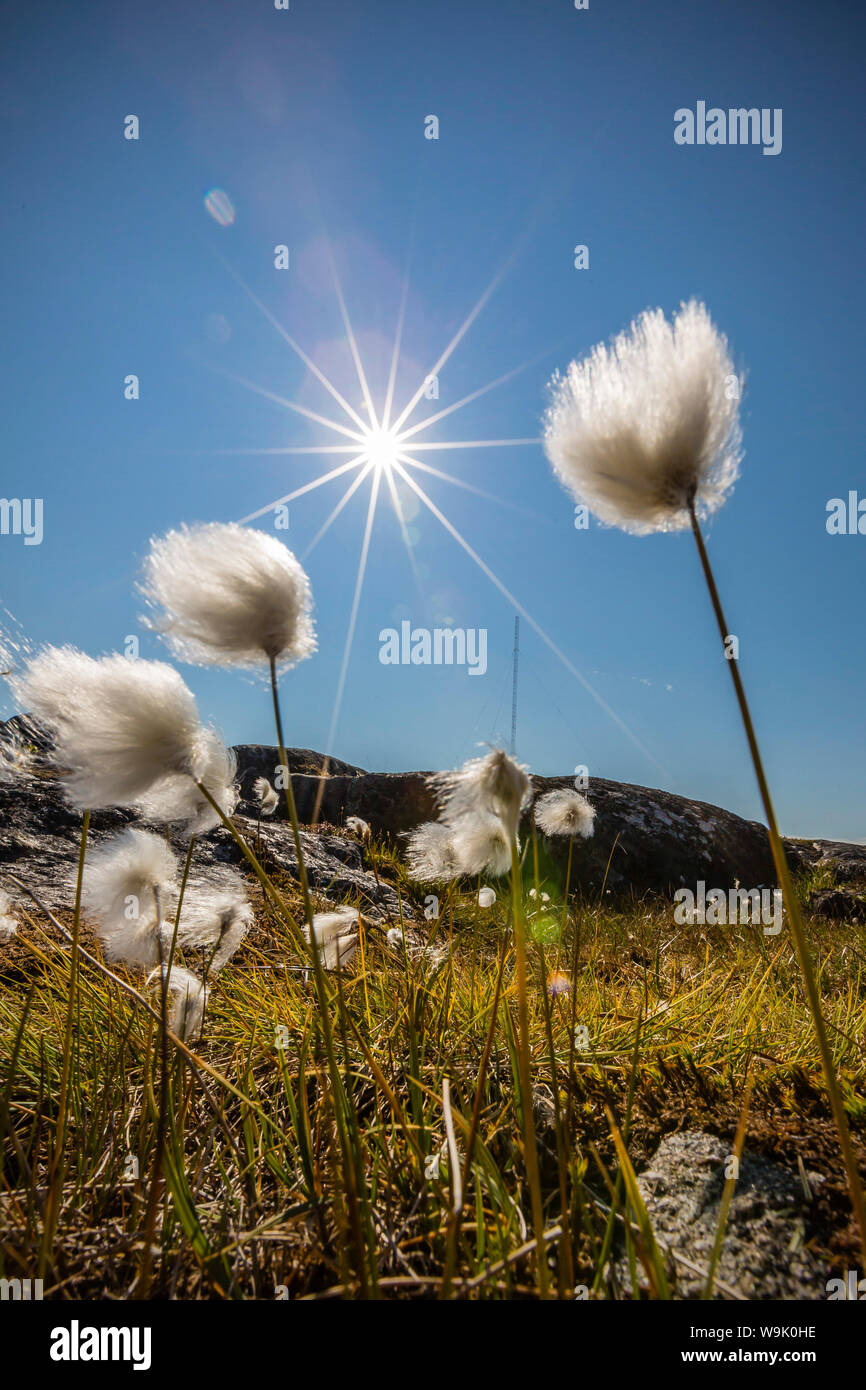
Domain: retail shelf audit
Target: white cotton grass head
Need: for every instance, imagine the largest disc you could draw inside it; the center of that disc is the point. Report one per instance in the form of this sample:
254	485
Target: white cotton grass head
480	806
118	726
358	827
564	812
8	921
215	920
129	883
188	1000
482	845
265	796
177	798
225	595
493	785
637	429
336	936
430	853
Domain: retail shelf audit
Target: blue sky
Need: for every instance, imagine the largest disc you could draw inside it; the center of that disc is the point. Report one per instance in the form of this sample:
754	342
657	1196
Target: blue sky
556	129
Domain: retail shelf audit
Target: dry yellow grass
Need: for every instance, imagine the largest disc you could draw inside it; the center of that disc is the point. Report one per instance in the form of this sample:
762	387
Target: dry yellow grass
281	1182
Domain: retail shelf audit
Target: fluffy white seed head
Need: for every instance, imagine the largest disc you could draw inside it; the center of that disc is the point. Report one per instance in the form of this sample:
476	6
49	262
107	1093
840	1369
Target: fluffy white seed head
215	920
480	806
265	796
482	845
494	785
358	827
129	883
177	798
636	429
224	595
118	726
430	853
8	922
188	1001
336	936
564	812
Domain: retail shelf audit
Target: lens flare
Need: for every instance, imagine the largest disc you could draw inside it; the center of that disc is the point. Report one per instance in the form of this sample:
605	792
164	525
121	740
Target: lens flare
220	207
558	983
378	450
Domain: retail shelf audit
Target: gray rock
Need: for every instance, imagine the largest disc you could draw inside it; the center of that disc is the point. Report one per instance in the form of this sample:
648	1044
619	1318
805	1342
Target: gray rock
262	760
40	835
336	867
838	905
848	862
764	1255
655	841
645	840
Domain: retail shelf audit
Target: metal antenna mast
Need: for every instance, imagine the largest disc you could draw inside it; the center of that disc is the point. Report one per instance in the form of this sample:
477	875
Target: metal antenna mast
514	688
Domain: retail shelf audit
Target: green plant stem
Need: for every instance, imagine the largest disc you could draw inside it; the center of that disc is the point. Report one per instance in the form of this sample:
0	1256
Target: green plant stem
801	945
58	1160
728	1191
198	1066
345	1126
535	862
311	947
154	1199
290	797
141	1287
567	883
533	1176
267	886
575	959
457	1216
145	1273
186	867
566	1260
616	1187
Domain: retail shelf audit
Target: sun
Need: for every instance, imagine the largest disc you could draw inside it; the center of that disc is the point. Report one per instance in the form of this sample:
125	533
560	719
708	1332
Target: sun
385	448
382	448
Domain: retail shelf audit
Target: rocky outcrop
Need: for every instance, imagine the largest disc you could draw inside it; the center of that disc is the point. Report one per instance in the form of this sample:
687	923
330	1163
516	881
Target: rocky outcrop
645	841
838	905
846	862
40	835
262	760
338	868
769	1214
